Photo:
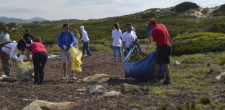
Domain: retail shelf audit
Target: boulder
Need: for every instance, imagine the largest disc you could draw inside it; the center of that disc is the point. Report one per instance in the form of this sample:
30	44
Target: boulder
126	88
38	104
8	79
111	94
220	76
96	78
97	89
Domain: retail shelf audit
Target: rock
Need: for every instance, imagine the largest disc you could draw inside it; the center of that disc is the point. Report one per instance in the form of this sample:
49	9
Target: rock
32	107
82	89
126	88
111	94
103	80
220	76
8	79
96	78
97	89
38	104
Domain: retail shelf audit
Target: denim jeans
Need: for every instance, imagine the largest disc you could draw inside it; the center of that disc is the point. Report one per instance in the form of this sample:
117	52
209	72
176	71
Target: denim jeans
125	53
86	47
119	51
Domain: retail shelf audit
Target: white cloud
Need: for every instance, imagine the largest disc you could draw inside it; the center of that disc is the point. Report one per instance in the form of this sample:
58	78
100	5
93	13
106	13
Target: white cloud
86	9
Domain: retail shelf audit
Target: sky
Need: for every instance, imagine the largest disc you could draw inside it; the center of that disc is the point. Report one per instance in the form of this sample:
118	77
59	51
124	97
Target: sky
86	9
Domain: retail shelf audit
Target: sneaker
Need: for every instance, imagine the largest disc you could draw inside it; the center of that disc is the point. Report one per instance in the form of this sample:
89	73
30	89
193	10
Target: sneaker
153	80
65	77
73	76
166	81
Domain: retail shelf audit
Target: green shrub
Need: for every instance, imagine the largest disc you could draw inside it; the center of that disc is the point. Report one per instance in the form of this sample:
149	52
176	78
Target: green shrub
219	28
220	11
201	36
188	106
192	47
205	100
182	7
222	62
148	15
204	11
10	25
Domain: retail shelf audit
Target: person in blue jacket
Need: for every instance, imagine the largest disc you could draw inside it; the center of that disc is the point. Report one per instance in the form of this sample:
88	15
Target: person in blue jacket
149	31
65	41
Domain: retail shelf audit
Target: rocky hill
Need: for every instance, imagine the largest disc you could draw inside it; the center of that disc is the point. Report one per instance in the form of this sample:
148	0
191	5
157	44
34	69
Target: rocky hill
182	9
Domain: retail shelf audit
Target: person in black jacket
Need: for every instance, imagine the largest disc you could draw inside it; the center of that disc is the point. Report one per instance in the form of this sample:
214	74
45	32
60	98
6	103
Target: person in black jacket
27	37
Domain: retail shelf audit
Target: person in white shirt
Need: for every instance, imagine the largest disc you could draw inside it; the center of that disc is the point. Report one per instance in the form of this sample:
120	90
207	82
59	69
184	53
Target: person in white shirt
86	41
128	38
4	36
116	36
11	48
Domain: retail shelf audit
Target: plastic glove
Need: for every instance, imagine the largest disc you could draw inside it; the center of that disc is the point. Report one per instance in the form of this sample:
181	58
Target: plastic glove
21	57
19	61
64	47
71	45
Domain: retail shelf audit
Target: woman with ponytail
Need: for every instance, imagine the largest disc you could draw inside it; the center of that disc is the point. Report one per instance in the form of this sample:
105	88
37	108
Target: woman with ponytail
117	43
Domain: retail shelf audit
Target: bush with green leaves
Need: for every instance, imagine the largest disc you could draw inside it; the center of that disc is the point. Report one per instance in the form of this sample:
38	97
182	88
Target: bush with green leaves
10	25
182	7
201	36
148	15
205	100
192	47
220	11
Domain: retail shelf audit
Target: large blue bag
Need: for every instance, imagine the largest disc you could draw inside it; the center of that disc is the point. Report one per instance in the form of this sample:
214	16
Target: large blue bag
142	69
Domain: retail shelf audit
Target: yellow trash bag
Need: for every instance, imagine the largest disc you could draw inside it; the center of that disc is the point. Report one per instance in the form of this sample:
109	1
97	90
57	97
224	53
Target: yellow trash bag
76	59
25	71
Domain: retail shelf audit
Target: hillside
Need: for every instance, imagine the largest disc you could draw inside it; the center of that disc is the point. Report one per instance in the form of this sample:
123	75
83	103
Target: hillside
181	19
18	20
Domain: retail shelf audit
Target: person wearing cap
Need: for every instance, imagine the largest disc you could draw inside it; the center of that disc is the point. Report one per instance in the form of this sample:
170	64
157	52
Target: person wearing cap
160	35
149	30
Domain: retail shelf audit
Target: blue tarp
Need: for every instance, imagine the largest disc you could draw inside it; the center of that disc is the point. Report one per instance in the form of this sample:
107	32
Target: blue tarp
142	69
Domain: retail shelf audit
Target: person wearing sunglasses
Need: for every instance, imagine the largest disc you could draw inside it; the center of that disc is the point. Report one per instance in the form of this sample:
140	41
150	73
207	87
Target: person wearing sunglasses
4	36
65	41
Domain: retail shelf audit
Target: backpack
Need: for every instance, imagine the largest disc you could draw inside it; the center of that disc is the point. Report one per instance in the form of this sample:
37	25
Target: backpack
69	34
27	38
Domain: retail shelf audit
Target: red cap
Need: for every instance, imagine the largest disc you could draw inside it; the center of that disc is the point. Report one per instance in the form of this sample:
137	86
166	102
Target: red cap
151	21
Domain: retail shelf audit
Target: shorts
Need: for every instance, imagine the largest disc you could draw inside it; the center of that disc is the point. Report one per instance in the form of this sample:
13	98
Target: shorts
149	35
66	56
163	54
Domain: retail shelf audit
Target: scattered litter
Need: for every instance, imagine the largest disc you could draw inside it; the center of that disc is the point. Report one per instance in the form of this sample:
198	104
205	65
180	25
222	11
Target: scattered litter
25	71
177	63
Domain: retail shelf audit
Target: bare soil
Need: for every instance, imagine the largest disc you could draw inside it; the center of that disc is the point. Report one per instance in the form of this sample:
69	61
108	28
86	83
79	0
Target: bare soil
18	95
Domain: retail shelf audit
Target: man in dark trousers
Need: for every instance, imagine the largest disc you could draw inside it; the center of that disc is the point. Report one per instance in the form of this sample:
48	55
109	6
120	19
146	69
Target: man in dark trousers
164	49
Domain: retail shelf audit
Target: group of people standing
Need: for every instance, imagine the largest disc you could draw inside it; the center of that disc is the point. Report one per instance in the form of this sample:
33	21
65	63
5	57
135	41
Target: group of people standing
122	40
159	34
66	40
39	54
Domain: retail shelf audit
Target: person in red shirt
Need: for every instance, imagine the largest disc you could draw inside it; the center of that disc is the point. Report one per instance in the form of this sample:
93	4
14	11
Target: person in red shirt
40	57
164	49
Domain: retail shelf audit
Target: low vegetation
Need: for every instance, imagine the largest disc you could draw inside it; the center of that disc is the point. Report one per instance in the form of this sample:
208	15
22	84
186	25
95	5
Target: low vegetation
182	7
220	11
